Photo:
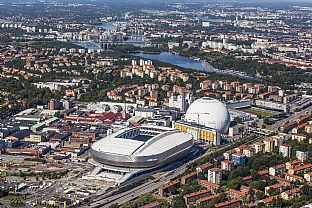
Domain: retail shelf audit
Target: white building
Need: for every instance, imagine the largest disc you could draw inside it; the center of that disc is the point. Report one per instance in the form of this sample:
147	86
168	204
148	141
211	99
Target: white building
302	155
285	150
215	175
181	102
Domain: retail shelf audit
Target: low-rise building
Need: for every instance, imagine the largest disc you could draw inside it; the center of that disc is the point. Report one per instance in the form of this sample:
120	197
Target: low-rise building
300	169
308	176
203	202
293	164
234	194
276	170
204	167
249	151
285	150
167	187
190	199
290	194
299	137
191	176
302	155
213	187
278	188
229	204
227	165
293	178
238	159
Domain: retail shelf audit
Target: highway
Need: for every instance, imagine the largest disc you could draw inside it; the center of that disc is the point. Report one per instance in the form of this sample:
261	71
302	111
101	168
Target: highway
293	117
138	191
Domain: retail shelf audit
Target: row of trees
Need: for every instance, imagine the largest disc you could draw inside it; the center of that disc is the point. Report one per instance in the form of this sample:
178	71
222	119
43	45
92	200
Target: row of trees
141	201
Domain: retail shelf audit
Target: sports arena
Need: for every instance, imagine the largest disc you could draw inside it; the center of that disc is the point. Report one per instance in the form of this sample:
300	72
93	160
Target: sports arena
142	147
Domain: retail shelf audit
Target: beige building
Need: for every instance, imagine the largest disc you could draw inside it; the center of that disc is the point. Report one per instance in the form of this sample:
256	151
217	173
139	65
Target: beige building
259	147
34	138
268	145
308	176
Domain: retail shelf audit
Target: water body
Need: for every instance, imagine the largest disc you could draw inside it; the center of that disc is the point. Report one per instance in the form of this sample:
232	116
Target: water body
107	26
5	21
190	63
178	60
88	45
205	19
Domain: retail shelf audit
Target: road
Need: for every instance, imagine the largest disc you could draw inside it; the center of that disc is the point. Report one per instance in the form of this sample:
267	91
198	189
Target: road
48	193
293	117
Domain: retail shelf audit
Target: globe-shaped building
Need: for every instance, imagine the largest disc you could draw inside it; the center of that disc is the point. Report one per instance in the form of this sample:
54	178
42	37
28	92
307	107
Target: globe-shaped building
209	112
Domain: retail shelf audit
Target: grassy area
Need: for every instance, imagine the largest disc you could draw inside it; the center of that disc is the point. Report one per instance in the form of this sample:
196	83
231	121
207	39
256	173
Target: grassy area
258	112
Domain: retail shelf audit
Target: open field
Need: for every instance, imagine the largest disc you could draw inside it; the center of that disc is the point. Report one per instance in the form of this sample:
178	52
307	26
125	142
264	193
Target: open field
258	112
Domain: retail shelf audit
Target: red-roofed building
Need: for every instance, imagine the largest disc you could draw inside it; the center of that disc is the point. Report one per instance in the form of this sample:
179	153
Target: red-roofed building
299	127
213	187
191	176
234	194
263	172
293	178
190	199
229	204
227	165
290	194
278	188
293	164
167	187
300	169
204	167
268	201
281	180
203	202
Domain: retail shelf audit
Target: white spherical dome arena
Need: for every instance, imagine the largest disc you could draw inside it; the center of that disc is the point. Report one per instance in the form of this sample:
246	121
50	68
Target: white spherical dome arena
209	112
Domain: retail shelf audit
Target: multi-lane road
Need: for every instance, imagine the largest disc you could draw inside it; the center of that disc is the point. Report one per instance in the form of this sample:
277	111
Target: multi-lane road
293	117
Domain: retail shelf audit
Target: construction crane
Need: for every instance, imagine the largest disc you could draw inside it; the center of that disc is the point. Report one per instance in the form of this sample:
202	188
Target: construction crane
198	122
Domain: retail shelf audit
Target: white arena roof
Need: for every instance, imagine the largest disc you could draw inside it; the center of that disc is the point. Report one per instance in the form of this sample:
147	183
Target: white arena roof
163	140
142	147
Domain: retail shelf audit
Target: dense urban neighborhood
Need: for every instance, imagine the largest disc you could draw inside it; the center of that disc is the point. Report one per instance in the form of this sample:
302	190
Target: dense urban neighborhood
151	104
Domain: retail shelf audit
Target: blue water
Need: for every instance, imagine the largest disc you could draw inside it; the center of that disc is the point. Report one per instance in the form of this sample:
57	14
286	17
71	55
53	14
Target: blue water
181	61
5	21
190	63
107	26
89	45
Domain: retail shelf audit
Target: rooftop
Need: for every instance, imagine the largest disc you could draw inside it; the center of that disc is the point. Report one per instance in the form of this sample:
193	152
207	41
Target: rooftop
141	141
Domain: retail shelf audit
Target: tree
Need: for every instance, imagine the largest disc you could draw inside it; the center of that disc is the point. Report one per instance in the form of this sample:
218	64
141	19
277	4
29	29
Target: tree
306	190
179	202
235	183
238	120
240	171
258	185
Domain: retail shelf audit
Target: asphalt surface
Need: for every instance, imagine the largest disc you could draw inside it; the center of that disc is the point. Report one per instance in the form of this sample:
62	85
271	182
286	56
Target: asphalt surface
294	116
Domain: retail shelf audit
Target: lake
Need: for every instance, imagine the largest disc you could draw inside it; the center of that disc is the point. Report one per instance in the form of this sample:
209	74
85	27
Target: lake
190	63
178	60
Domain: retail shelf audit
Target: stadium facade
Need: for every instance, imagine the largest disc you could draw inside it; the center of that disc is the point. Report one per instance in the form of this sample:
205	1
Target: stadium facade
142	147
